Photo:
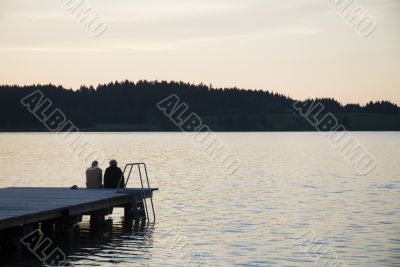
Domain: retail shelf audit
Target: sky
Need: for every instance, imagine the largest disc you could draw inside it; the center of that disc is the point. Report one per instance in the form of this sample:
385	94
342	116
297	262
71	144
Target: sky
300	48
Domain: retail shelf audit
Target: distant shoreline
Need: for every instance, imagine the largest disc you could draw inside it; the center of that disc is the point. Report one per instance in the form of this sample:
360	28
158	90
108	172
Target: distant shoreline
276	123
171	107
177	131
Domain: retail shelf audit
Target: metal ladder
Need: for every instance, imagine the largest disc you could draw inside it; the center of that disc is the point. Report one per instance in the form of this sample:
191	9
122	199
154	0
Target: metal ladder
130	167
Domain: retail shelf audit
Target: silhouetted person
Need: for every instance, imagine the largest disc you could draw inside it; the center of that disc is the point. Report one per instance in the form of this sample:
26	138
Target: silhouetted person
113	175
94	176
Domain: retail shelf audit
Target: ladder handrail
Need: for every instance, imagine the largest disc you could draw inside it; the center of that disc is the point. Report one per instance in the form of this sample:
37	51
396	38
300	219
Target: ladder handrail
144	196
151	194
138	164
120	179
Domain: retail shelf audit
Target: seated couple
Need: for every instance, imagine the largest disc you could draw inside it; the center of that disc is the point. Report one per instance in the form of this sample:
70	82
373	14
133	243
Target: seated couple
112	177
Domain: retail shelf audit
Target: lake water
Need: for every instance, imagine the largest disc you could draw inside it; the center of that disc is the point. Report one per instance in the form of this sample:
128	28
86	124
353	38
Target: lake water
290	186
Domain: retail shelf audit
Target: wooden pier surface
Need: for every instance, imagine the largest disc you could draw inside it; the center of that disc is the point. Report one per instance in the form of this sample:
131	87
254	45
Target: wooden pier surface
24	205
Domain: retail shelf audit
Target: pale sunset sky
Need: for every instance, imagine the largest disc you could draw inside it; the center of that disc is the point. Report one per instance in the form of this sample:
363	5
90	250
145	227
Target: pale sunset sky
300	48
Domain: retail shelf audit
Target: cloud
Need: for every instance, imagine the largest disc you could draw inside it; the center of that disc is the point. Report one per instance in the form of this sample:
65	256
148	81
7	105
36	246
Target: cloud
56	49
109	47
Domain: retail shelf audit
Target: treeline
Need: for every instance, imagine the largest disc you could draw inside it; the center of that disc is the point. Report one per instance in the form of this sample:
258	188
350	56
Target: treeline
132	106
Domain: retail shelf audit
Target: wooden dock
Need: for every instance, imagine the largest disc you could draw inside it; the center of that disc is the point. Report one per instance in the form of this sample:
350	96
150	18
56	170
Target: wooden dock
60	210
25	205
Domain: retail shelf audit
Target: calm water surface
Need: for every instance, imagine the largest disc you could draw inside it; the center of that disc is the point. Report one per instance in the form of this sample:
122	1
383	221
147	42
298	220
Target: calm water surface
289	185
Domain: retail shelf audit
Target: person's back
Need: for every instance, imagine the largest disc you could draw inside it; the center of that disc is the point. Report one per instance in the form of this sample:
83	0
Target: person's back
113	175
94	176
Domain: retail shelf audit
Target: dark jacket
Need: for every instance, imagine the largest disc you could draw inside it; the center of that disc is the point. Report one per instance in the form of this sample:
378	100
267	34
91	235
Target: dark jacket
112	177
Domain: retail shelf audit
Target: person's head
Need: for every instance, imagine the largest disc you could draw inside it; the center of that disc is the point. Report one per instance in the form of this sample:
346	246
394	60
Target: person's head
95	163
113	163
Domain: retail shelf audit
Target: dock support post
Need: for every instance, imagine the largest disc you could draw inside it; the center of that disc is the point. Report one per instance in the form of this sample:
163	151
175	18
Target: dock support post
131	209
141	209
135	211
77	233
97	221
47	228
16	242
128	212
10	242
68	229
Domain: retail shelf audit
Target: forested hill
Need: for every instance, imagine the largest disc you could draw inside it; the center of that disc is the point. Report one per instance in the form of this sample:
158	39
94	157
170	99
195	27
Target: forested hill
132	106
